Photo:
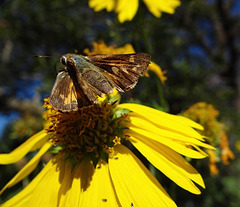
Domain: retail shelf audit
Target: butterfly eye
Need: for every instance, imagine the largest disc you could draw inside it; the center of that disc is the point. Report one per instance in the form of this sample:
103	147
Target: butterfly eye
64	60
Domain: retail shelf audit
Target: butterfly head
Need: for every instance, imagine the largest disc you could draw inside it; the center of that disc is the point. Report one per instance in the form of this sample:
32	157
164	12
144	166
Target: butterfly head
64	60
67	59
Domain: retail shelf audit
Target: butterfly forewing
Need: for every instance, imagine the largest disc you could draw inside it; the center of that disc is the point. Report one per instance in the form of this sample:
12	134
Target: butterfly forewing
123	69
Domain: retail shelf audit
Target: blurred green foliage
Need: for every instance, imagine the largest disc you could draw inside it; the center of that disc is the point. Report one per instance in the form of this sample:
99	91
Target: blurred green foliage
199	47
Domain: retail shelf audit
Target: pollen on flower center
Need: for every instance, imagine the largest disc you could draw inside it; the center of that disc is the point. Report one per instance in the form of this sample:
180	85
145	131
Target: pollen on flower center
92	130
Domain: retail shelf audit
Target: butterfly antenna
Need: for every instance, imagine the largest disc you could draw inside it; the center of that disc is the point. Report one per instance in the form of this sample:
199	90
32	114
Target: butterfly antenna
42	56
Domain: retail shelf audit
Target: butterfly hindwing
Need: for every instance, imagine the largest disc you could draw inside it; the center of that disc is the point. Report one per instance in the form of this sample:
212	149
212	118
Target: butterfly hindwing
98	81
63	95
86	90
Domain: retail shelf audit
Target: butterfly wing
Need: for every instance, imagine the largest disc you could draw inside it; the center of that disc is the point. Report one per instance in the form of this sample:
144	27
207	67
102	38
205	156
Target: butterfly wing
123	70
63	95
67	96
81	82
87	94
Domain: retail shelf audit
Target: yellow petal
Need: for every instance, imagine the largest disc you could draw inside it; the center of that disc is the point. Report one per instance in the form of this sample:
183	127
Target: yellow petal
98	5
138	123
126	10
69	191
126	49
158	71
189	122
100	47
100	191
163	120
46	192
134	184
169	163
28	168
33	143
86	186
182	148
22	199
156	7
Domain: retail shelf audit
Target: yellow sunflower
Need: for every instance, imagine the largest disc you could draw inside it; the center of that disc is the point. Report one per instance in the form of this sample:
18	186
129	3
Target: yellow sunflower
127	9
93	163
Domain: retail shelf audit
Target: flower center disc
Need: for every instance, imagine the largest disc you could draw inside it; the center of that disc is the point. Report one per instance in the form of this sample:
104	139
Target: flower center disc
92	130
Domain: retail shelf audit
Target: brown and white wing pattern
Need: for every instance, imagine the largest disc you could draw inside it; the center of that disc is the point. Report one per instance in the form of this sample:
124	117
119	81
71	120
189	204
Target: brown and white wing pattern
122	69
63	95
67	96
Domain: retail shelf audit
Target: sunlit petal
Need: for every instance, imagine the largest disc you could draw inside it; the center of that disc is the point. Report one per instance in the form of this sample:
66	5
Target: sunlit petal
169	163
33	143
181	148
134	184
23	198
100	191
28	168
98	5
139	123
156	7
163	120
48	187
126	10
158	71
188	122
